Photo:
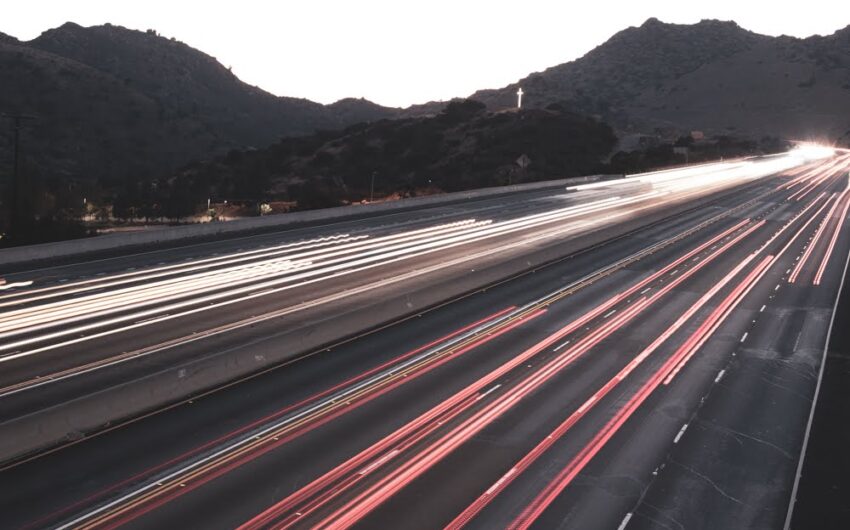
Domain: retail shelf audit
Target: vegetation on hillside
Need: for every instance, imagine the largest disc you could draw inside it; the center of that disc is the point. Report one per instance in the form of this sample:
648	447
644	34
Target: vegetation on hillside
115	104
664	154
713	76
464	147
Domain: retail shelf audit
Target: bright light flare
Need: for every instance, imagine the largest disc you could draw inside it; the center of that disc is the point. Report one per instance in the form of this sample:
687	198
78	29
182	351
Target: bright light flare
812	151
711	175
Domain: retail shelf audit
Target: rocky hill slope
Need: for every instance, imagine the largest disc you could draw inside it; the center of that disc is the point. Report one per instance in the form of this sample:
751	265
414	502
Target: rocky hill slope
115	103
711	76
463	147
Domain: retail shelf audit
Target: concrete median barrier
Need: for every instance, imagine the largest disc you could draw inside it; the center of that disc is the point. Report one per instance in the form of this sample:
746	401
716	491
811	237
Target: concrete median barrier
132	240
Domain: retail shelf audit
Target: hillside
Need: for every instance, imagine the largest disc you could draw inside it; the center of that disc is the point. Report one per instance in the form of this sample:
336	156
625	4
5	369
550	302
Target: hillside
115	103
464	147
711	76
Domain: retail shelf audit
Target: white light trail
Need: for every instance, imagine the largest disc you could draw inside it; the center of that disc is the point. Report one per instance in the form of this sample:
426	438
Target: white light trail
173	290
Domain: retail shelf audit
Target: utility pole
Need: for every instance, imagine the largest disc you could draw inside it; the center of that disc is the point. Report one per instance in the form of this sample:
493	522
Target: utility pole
17	187
372	187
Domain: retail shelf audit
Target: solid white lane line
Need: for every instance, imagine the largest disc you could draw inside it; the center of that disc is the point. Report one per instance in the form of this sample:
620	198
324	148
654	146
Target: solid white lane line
804	447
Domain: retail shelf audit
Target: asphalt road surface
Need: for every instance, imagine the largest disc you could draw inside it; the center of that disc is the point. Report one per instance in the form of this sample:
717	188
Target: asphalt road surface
661	380
824	477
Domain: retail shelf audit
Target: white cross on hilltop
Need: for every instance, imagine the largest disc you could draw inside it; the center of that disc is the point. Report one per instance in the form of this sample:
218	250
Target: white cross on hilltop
519	94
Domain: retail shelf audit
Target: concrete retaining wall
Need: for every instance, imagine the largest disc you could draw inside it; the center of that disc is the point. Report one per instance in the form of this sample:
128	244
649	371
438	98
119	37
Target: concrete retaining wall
35	253
73	419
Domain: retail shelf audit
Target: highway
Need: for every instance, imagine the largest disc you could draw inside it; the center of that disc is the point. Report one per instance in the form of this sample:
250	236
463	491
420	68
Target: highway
659	379
58	336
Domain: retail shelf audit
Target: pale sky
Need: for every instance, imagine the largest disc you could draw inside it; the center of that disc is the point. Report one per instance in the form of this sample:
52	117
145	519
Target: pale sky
398	52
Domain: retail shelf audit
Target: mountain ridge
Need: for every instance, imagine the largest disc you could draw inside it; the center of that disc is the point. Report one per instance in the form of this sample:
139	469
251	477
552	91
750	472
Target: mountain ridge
654	76
115	103
169	104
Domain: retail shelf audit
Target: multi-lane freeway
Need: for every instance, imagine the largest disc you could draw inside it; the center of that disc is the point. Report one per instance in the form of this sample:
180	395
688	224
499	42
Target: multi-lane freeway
662	378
